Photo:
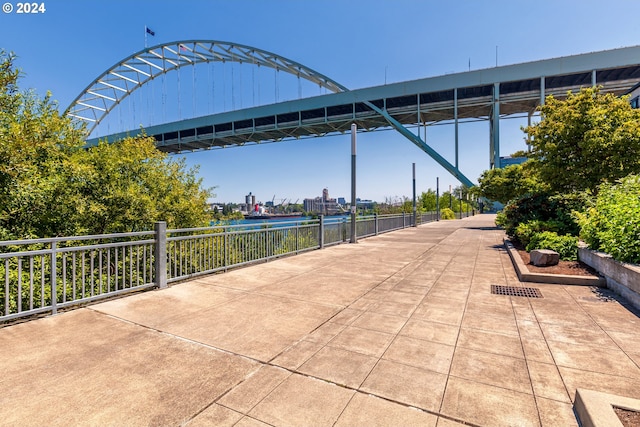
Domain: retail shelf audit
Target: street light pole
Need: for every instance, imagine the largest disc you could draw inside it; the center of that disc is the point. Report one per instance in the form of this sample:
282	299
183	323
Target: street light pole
437	198
415	223
354	129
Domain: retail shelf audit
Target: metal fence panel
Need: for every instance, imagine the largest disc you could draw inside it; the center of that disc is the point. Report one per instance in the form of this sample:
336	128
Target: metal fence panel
201	251
44	275
335	231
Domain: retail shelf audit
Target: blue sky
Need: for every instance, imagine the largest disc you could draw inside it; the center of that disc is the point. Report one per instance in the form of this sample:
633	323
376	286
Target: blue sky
359	43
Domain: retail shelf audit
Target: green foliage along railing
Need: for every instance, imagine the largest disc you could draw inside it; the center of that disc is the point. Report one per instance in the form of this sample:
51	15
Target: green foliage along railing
45	275
193	252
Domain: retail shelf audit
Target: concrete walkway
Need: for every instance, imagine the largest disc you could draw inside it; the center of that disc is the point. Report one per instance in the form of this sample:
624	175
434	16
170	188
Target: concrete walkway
397	330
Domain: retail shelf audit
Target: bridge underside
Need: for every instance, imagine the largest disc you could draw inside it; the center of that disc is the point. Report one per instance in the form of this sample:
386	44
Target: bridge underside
477	95
473	103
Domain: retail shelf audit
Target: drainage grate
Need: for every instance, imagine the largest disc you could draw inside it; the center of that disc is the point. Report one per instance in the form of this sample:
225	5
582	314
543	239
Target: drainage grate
515	291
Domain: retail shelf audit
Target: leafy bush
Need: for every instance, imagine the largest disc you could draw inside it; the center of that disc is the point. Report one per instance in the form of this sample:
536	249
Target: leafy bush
447	213
613	225
501	219
566	246
543	207
526	230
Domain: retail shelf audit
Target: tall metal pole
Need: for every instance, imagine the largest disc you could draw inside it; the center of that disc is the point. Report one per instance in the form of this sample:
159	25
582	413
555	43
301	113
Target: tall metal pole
495	127
415	223
455	119
437	198
467	197
354	128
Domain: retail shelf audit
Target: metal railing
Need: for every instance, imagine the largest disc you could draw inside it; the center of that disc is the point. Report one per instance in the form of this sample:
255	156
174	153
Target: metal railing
83	268
193	252
464	214
45	275
426	217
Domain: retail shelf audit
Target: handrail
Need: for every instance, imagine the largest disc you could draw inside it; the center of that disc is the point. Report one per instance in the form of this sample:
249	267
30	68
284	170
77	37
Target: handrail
40	280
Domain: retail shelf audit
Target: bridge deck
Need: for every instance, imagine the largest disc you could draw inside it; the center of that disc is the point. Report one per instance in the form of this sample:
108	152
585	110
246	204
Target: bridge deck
430	100
400	329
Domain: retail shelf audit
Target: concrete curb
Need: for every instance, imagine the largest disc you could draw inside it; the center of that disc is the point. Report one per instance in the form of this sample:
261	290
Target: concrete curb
559	279
595	409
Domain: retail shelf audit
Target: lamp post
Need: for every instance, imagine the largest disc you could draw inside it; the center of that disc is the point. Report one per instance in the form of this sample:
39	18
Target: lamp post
415	223
354	129
467	204
437	198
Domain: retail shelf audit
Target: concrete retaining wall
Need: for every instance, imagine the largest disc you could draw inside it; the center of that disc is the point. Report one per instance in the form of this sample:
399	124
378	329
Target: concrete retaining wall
622	278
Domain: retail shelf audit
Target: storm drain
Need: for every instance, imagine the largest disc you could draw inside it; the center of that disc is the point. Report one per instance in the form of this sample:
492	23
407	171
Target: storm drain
516	291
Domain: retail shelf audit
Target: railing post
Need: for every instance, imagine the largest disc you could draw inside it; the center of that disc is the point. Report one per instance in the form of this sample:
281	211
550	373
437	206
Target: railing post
160	261
297	237
225	248
54	281
375	218
403	220
321	236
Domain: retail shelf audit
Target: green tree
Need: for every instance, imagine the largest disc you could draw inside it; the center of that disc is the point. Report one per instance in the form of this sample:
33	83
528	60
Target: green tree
128	185
35	142
50	185
508	183
427	201
584	140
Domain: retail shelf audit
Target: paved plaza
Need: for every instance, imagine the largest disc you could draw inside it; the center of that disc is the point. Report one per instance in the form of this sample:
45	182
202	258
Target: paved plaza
397	330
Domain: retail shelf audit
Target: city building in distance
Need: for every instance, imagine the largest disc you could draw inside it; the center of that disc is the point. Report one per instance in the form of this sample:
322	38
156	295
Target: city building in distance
324	205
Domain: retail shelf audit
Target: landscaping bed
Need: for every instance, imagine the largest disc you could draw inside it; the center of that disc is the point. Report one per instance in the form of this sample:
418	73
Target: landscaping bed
574	268
546	275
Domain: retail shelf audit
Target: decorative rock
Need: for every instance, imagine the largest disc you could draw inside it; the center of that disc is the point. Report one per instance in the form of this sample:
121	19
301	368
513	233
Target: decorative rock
544	257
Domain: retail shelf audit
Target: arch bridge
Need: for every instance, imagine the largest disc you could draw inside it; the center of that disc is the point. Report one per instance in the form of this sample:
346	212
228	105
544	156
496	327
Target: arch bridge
486	94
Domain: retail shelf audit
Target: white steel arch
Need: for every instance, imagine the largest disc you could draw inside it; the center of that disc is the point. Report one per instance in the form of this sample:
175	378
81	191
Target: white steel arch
122	79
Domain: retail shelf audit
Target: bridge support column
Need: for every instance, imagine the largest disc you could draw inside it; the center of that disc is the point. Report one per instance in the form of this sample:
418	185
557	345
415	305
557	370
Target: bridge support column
455	119
420	143
529	116
494	122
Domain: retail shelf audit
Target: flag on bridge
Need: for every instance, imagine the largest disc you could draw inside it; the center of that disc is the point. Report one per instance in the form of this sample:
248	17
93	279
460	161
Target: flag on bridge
149	31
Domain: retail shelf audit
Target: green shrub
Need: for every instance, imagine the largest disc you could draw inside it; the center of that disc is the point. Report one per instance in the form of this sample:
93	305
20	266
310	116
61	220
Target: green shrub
524	231
501	219
613	225
566	246
447	213
544	207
